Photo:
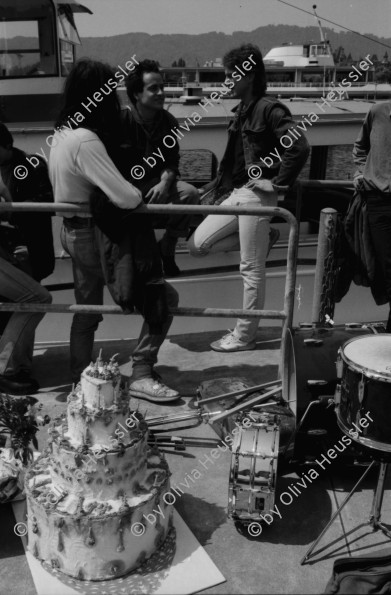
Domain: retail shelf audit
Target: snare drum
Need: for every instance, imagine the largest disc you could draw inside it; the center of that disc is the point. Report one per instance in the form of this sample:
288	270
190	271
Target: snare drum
253	471
364	369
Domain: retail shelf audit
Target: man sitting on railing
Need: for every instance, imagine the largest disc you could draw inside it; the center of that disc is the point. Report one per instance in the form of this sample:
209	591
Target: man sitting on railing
254	149
152	161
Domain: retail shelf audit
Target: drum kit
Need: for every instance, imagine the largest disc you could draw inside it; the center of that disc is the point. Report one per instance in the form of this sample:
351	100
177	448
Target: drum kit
336	381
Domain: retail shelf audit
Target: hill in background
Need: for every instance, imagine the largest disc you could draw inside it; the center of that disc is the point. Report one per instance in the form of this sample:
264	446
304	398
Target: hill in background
116	50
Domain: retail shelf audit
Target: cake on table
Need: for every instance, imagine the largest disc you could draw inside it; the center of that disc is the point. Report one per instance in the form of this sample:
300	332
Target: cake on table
95	497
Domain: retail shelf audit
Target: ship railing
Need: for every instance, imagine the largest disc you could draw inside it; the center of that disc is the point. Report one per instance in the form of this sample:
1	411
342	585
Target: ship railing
285	315
315	85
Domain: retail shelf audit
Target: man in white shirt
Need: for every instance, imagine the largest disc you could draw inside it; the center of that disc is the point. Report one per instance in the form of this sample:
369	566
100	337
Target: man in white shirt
79	162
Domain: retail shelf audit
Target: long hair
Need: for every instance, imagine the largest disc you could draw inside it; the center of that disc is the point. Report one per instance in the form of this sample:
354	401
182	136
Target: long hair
237	56
103	117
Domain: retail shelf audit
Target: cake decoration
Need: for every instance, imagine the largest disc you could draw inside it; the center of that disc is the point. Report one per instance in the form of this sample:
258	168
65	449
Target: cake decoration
91	488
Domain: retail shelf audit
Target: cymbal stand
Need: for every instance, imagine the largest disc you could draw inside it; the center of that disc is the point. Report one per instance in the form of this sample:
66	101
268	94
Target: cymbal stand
377	502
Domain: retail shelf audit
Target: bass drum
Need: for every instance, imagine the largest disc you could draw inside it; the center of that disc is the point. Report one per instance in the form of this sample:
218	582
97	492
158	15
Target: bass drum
315	353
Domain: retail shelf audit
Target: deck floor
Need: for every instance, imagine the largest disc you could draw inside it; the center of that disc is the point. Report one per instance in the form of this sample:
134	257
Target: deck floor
267	564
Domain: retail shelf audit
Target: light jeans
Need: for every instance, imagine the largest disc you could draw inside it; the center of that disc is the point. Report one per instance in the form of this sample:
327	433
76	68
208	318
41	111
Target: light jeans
80	244
17	340
250	234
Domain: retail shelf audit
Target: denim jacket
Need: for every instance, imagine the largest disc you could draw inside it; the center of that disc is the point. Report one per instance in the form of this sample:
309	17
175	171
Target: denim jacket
264	122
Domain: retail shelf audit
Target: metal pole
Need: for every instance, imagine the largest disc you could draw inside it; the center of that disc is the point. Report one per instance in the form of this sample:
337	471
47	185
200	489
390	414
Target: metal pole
346	500
94	309
323	284
284	370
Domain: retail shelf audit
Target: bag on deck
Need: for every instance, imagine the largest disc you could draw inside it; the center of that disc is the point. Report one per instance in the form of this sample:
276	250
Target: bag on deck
362	574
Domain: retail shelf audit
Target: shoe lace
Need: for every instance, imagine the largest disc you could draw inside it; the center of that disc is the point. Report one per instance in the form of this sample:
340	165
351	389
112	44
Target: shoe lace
159	381
229	337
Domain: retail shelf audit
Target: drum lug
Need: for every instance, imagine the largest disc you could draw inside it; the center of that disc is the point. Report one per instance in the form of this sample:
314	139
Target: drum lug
361	390
337	396
339	365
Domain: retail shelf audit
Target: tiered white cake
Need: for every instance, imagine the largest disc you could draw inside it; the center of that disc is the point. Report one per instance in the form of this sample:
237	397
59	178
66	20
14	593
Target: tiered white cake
90	493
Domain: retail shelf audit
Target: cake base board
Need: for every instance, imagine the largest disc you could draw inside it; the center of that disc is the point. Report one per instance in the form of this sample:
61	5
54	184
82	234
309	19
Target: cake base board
190	569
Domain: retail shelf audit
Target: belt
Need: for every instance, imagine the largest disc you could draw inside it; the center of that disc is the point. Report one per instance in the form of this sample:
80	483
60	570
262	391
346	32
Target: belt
78	222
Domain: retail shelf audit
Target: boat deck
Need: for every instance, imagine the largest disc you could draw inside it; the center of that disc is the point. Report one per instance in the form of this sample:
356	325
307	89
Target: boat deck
267	564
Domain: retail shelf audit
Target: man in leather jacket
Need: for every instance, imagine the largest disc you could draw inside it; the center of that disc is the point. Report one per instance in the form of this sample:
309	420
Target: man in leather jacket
264	155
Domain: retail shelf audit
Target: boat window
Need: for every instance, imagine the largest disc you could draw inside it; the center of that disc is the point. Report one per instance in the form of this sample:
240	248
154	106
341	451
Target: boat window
212	76
314	77
282	76
340	164
305	172
319	50
27	39
67	57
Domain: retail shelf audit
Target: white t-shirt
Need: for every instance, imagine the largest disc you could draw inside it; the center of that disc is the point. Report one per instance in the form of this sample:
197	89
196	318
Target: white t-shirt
78	162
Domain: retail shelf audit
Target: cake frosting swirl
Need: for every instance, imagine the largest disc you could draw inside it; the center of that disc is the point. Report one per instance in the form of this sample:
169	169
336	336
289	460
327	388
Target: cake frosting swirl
96	481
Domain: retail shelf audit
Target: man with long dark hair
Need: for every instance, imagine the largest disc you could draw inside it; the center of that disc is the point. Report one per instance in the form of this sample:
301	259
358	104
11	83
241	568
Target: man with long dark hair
150	141
254	134
84	150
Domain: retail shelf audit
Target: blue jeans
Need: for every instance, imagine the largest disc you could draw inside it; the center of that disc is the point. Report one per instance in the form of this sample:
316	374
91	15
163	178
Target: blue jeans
250	234
81	245
17	340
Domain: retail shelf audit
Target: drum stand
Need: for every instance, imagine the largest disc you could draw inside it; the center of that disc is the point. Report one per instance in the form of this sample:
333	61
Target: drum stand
374	519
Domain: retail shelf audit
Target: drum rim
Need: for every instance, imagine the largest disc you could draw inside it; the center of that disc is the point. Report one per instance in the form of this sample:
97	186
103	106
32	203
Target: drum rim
367	372
367	442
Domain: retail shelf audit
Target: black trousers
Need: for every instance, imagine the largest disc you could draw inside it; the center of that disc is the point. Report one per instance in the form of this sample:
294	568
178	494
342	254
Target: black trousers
379	219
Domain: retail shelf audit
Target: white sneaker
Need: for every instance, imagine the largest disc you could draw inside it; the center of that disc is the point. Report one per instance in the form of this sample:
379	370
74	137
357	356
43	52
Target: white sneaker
152	389
230	343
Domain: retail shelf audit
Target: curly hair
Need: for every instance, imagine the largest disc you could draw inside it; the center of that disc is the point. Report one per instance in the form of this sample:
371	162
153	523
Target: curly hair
134	82
237	56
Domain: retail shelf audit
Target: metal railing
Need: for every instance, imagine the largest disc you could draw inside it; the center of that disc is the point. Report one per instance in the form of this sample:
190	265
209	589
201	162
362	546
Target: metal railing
285	315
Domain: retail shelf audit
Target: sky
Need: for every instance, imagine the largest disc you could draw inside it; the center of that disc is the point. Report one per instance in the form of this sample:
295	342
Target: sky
114	17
